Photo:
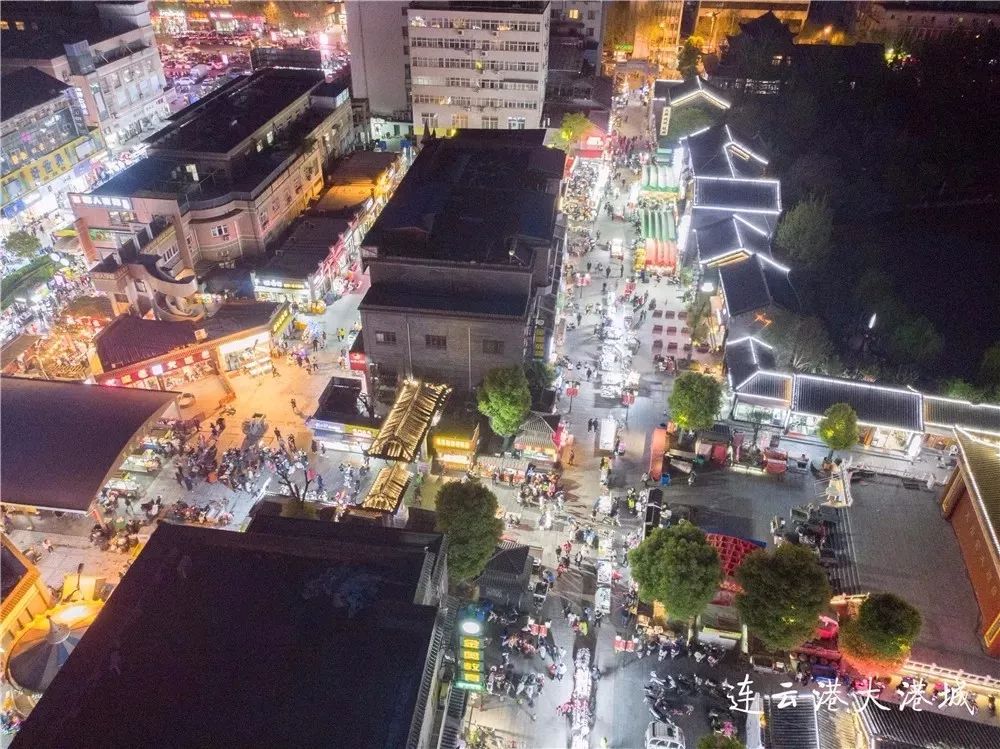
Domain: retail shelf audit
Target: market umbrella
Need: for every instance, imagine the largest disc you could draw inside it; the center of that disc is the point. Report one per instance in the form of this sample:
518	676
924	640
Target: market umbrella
41	649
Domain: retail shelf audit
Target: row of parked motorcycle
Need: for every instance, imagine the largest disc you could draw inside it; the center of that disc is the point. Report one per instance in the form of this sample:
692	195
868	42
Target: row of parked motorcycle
667	699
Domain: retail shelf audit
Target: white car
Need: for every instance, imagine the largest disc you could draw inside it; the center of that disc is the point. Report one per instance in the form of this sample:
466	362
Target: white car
661	735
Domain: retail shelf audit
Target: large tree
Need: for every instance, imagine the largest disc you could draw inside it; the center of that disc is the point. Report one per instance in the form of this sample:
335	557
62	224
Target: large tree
914	339
574	126
881	634
467	514
690	56
838	428
24	245
695	401
505	398
677	567
784	592
806	231
801	343
540	375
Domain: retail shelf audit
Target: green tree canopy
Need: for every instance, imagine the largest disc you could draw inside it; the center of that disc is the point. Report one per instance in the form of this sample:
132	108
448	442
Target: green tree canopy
801	343
690	56
573	127
959	388
467	513
883	631
504	397
839	427
806	231
695	401
24	245
718	741
677	567
989	368
914	339
539	374
784	592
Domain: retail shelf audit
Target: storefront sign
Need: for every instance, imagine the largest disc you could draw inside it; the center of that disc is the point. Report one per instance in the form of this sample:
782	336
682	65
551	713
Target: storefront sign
244	343
283	317
163	366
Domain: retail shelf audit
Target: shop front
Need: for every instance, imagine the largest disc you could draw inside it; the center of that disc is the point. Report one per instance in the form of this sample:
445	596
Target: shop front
540	438
342	420
251	355
167	373
455	439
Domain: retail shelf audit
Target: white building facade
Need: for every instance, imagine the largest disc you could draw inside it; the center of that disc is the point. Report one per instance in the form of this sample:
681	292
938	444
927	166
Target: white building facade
477	65
117	77
588	12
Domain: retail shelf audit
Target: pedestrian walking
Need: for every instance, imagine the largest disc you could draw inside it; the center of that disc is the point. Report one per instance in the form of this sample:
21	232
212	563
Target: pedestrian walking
188	483
572	456
588	266
621	271
47	545
590	426
560	671
579	318
604	287
295	406
275	374
590	373
277	433
607	272
179	477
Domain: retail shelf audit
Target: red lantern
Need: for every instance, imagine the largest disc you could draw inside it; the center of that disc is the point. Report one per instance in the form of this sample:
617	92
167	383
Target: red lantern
572	390
628	397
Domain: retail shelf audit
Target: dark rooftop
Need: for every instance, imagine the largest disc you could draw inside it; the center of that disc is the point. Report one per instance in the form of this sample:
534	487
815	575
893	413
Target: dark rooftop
891	728
488	305
772	386
738	194
61	440
467	198
875	405
948	412
745	357
756	283
339	403
727	236
25	89
129	339
221	123
59	23
259	639
718	152
691	89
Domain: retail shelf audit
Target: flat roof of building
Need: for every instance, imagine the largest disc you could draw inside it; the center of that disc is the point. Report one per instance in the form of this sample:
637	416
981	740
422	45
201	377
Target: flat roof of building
59	23
26	89
259	639
399	297
466	199
221	123
61	440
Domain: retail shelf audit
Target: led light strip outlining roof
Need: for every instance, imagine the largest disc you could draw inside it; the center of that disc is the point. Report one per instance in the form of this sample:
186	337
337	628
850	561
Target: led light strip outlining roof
977	492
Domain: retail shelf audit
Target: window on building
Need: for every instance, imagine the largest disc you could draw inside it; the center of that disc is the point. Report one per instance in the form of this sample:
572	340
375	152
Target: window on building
492	347
459	121
429	119
591	15
491	122
121	217
590	32
515	123
385	337
573	14
436	341
19	25
222	230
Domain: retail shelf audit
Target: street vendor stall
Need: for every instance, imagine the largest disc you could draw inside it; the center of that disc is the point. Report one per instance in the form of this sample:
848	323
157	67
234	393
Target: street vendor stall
658	230
540	438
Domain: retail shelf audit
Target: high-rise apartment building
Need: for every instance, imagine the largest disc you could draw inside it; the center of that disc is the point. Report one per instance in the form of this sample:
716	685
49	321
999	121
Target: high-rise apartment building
590	13
477	64
380	72
105	50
